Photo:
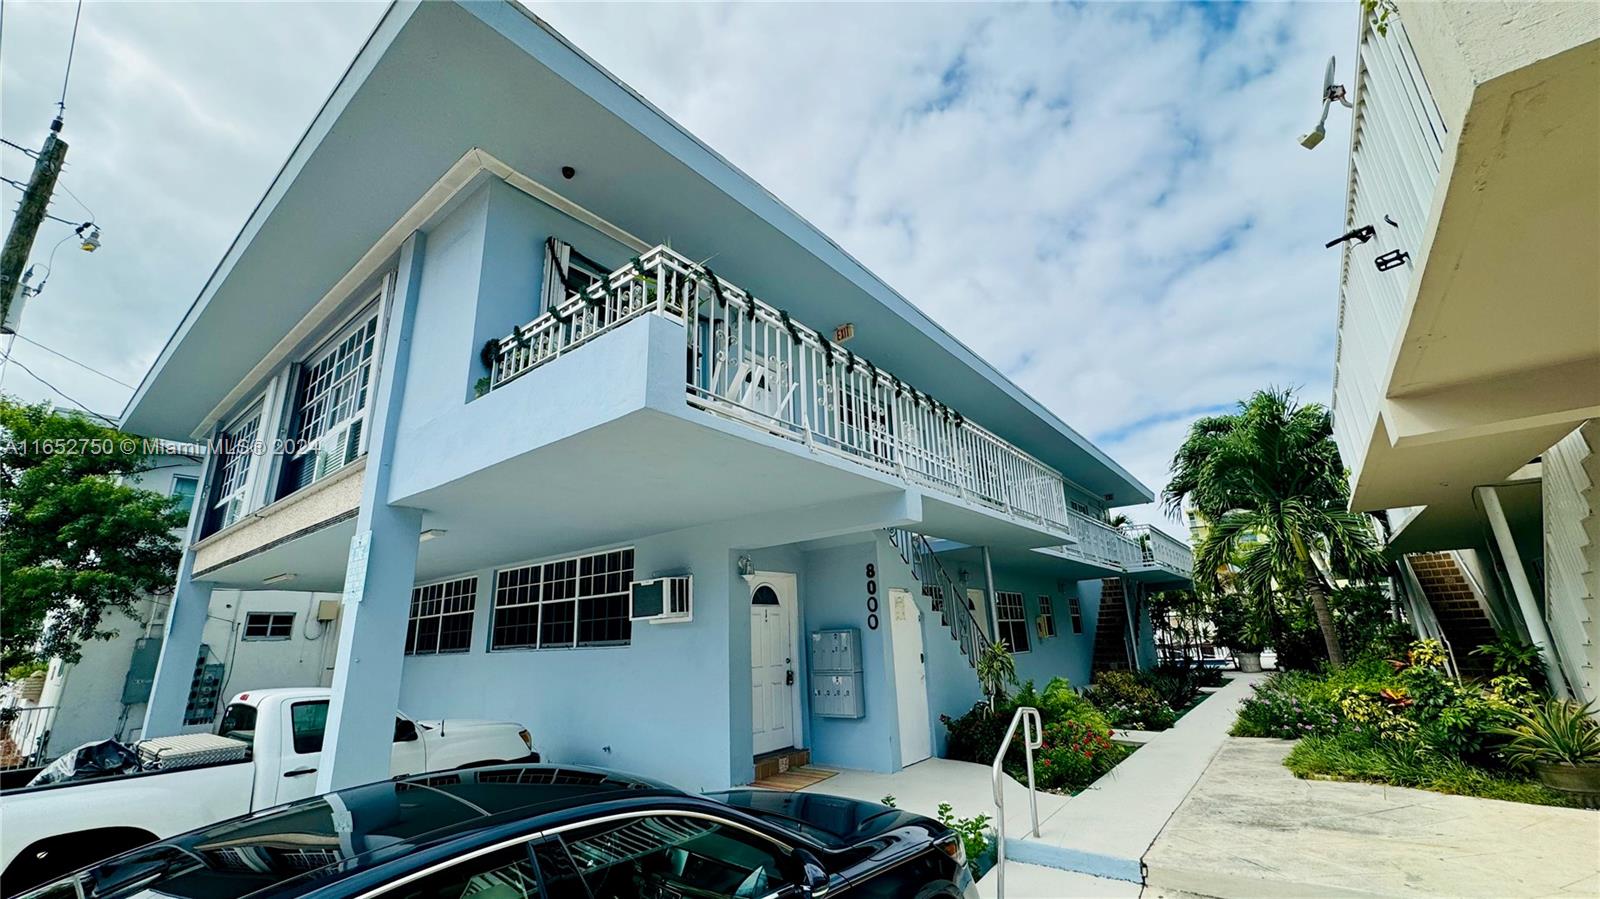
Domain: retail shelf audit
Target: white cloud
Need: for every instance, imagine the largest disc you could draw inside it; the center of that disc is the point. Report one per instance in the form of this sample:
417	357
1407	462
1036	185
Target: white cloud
1105	199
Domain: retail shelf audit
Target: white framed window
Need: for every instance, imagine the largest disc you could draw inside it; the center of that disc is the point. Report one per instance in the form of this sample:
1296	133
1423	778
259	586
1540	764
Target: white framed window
182	491
578	601
236	450
1075	612
268	625
441	617
330	406
1013	620
1047	616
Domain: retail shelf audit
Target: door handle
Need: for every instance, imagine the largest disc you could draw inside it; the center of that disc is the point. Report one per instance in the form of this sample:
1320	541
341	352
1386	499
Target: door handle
300	772
788	678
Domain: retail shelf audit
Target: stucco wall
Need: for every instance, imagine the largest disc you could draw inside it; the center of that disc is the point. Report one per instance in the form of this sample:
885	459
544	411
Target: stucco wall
89	692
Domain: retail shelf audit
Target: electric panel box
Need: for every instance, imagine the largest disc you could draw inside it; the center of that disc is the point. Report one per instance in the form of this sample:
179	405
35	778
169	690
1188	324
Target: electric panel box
836	650
837	695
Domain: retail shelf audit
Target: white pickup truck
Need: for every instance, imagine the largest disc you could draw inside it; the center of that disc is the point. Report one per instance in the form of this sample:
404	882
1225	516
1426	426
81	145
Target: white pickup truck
56	828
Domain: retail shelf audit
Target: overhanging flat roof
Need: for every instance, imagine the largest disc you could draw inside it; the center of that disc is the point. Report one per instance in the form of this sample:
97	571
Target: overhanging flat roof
436	80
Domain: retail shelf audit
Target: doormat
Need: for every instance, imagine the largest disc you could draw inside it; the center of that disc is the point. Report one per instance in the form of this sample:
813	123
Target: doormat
794	779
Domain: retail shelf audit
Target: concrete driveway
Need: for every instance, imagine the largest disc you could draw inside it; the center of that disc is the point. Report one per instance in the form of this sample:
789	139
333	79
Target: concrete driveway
1250	828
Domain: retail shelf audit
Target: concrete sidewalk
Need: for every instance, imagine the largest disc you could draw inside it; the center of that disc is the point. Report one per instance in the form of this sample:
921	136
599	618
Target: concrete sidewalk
1106	830
1250	828
920	788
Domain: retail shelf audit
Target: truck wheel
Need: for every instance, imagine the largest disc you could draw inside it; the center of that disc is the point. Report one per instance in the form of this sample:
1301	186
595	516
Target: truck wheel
65	853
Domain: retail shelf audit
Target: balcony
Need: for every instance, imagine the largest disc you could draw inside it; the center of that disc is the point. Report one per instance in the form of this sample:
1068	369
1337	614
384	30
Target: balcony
749	362
1142	552
1161	556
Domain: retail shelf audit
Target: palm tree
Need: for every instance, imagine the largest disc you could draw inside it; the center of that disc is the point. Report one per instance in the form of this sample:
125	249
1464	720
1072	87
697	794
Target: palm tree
1269	481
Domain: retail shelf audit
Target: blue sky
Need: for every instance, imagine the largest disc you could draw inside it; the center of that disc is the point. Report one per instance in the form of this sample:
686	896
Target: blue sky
1106	200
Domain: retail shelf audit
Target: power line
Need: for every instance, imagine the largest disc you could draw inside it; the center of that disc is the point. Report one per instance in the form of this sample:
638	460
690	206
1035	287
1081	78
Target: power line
16	146
57	391
82	365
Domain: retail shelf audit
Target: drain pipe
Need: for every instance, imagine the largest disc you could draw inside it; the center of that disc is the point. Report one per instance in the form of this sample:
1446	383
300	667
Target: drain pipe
1532	616
988	583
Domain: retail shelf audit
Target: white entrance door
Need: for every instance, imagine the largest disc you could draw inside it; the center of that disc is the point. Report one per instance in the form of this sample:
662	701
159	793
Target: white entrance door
978	606
910	677
773	663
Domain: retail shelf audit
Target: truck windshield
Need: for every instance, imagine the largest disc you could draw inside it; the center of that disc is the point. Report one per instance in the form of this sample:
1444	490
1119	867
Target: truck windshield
239	723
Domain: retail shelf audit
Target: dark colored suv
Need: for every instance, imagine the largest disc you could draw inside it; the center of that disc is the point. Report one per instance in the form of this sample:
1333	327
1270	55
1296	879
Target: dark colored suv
525	831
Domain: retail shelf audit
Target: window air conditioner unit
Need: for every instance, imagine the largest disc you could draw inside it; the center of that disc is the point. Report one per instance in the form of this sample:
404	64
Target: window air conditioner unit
662	600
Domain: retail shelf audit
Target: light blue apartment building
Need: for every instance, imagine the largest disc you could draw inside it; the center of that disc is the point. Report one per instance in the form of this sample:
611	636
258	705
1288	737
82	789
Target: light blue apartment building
560	401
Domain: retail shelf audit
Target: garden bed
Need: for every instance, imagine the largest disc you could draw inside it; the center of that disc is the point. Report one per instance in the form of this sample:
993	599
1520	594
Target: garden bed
1402	722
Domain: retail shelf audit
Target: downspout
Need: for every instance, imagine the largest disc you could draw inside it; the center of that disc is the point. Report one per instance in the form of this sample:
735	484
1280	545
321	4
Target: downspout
988	584
1131	644
1527	603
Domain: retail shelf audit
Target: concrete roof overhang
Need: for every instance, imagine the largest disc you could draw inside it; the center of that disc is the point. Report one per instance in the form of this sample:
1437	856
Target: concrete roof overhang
1498	354
438	80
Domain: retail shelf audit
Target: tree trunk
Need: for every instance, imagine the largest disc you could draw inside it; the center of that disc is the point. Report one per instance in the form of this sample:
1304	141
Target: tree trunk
1330	634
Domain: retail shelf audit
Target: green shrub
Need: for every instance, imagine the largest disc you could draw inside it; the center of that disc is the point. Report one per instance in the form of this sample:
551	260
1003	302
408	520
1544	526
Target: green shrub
1555	732
1359	756
1077	737
1130	702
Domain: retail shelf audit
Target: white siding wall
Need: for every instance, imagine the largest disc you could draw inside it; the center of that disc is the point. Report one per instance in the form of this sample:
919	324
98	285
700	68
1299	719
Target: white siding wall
1572	555
1397	140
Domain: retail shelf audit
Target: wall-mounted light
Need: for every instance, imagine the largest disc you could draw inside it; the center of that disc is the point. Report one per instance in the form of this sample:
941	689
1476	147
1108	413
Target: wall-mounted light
432	533
747	566
279	578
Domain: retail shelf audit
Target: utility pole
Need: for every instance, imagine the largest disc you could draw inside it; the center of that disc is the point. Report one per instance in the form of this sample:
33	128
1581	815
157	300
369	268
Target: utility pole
30	214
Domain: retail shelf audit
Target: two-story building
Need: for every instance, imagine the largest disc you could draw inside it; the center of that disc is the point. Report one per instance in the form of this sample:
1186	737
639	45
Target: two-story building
1468	372
560	401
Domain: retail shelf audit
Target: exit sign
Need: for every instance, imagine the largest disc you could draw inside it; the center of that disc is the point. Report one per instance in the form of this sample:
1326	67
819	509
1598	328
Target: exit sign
844	332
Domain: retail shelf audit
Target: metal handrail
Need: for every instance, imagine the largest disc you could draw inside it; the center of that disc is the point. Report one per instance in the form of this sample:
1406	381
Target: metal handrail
1032	738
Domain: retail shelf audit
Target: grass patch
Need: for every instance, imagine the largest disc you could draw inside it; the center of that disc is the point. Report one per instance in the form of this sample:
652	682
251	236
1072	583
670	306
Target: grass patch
1356	757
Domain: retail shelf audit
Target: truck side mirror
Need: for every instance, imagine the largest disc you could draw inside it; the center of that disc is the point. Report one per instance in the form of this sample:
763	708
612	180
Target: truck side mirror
405	730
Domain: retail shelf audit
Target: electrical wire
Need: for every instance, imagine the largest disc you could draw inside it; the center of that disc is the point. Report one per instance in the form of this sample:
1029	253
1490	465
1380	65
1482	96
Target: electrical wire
58	392
68	191
16	146
82	365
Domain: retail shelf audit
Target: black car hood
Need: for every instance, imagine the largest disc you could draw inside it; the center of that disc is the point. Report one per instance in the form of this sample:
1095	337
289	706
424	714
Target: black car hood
832	821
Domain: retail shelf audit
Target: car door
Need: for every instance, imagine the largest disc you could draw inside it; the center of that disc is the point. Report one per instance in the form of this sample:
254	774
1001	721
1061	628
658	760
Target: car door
305	725
666	853
411	747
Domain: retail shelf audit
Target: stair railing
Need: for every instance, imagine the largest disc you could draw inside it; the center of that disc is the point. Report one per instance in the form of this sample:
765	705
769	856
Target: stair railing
1032	738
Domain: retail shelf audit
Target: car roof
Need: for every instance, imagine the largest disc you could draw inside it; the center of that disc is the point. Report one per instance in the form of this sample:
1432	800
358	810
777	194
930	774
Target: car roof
298	847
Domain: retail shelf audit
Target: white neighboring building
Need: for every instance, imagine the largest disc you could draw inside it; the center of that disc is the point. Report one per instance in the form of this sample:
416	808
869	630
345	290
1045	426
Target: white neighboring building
252	640
1468	374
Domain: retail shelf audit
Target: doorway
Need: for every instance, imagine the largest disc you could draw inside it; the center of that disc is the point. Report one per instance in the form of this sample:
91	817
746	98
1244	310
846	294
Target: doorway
774	662
910	677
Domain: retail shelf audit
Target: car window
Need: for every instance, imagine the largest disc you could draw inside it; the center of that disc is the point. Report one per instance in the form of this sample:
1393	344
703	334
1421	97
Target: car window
507	874
670	855
238	723
308	720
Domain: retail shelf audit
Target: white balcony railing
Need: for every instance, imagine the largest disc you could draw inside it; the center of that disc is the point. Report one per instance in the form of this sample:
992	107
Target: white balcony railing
1158	549
1101	543
749	361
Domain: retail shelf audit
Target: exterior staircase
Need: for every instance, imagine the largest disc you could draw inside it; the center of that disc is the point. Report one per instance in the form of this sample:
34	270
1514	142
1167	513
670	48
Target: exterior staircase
1458	607
1110	630
946	597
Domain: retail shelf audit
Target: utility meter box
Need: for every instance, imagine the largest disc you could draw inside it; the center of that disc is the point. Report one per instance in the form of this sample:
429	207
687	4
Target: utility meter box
836	674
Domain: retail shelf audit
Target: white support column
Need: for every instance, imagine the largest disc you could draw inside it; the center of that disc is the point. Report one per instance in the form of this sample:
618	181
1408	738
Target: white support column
1129	602
186	622
379	573
992	613
1527	603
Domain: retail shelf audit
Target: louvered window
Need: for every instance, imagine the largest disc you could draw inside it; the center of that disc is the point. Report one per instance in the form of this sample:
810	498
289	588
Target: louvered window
331	406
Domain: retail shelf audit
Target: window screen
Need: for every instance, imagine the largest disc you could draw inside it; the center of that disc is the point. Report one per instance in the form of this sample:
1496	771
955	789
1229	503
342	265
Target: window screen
581	601
441	617
269	625
1012	620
